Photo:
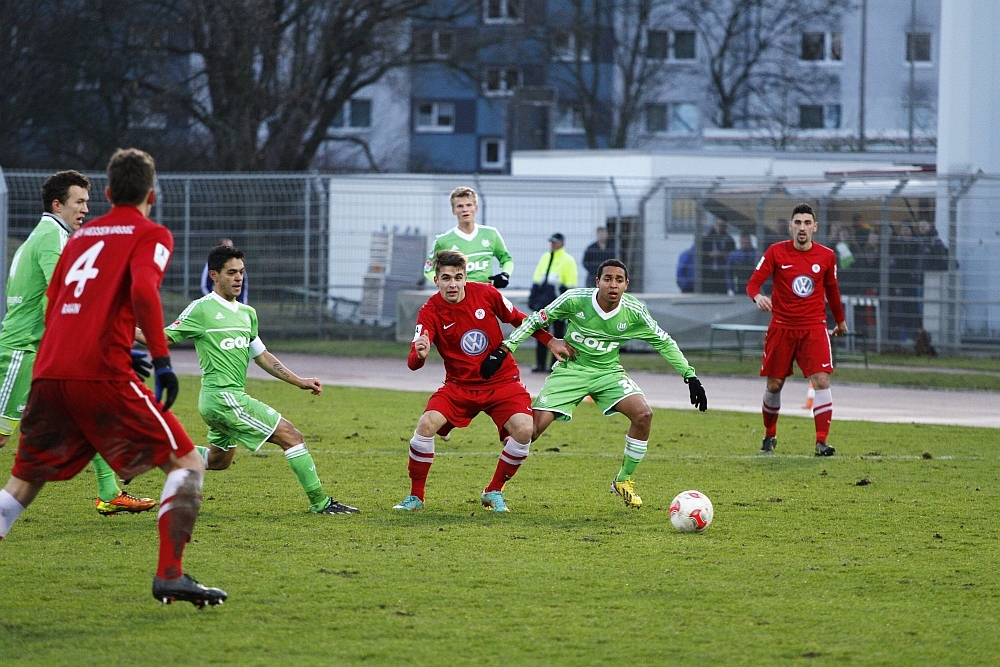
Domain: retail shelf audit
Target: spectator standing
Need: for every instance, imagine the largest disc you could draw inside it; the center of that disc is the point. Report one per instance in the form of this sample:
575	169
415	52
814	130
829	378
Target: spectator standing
715	248
556	270
740	264
208	286
685	271
597	252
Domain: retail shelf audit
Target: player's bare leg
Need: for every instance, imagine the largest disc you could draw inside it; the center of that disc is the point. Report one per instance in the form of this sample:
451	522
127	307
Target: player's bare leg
515	451
640	415
3	440
542	419
822	412
421	458
301	462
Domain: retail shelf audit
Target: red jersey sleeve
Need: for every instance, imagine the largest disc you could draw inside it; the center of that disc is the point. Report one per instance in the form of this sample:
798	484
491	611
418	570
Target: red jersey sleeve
508	313
425	326
763	271
147	265
832	289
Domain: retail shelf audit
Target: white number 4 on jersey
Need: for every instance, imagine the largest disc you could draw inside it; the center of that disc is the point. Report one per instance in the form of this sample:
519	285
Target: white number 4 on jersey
83	268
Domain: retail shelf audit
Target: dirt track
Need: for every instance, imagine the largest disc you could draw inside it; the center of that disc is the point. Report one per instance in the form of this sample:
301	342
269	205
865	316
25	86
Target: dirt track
856	402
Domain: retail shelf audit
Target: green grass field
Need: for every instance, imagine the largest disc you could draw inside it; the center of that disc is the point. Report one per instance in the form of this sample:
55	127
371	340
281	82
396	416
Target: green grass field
877	556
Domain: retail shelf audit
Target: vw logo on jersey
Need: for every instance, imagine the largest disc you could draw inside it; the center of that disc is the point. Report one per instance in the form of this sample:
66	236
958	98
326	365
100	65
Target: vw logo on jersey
474	342
486	243
803	286
480	313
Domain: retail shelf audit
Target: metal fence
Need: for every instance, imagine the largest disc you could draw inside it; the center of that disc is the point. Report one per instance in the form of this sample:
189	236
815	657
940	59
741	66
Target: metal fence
326	256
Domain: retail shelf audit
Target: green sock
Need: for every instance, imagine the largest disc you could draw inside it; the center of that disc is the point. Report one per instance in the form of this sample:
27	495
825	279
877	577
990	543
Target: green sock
634	451
304	467
204	453
107	487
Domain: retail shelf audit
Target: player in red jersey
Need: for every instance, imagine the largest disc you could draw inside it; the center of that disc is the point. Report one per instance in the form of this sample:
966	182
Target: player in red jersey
462	321
85	396
804	282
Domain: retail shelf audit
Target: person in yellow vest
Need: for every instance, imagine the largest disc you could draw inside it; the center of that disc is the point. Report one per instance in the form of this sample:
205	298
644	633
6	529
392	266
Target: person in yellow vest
556	272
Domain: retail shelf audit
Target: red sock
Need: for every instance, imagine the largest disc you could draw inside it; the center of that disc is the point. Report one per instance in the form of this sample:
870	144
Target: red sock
511	458
823	413
770	410
179	507
418	477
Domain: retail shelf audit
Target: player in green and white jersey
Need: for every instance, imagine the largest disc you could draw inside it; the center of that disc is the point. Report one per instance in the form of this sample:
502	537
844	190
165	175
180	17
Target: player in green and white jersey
599	321
225	337
477	242
65	195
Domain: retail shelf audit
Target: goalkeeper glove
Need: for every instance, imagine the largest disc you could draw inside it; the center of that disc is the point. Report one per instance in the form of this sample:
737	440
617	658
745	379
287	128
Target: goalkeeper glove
697	392
140	365
492	363
501	280
166	381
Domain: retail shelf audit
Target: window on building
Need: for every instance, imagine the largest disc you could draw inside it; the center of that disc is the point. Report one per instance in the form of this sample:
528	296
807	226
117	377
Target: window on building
564	47
918	47
680	118
670	44
356	113
822	46
570	120
434	43
819	116
503	11
492	153
435	117
500	81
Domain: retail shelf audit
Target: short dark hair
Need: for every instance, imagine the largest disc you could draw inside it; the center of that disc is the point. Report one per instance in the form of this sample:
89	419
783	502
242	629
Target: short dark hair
58	184
612	262
450	258
131	175
803	208
221	254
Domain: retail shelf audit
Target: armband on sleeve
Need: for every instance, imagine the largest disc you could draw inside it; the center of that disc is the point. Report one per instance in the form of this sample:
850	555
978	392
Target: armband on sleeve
257	348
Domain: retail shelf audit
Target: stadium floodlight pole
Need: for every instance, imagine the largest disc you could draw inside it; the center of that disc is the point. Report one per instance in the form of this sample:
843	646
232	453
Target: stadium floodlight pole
861	85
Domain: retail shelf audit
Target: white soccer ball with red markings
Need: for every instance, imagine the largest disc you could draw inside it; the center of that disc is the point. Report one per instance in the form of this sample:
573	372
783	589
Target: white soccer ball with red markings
691	512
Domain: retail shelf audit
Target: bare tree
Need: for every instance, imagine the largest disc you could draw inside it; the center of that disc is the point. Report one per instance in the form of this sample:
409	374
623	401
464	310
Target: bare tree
599	51
753	56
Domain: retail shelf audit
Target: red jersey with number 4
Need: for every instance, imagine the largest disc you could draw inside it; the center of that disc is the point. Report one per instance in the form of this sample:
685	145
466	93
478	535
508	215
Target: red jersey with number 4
466	332
804	282
107	281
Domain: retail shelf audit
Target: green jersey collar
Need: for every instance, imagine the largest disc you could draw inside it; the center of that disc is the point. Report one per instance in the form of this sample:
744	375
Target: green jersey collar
233	305
600	311
466	237
59	221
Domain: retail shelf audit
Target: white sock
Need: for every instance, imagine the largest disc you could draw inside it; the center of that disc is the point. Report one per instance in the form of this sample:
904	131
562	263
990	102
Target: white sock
175	480
10	509
635	449
514	452
823	401
422	448
296	451
772	399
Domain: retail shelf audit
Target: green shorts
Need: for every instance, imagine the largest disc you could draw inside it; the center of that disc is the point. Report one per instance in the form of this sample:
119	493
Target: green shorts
566	387
15	369
234	418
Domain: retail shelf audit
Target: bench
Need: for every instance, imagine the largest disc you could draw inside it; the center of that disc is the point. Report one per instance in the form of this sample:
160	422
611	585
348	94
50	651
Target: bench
739	329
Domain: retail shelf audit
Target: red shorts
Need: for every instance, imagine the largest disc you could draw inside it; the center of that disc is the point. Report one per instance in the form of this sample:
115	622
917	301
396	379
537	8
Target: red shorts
809	348
460	404
67	421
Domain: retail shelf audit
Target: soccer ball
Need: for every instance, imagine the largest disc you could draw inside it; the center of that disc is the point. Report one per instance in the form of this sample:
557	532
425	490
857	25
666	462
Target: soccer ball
691	512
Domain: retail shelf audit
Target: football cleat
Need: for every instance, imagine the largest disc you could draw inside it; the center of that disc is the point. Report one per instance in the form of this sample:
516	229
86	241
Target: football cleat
333	507
822	449
409	504
494	500
769	445
186	589
125	502
626	490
